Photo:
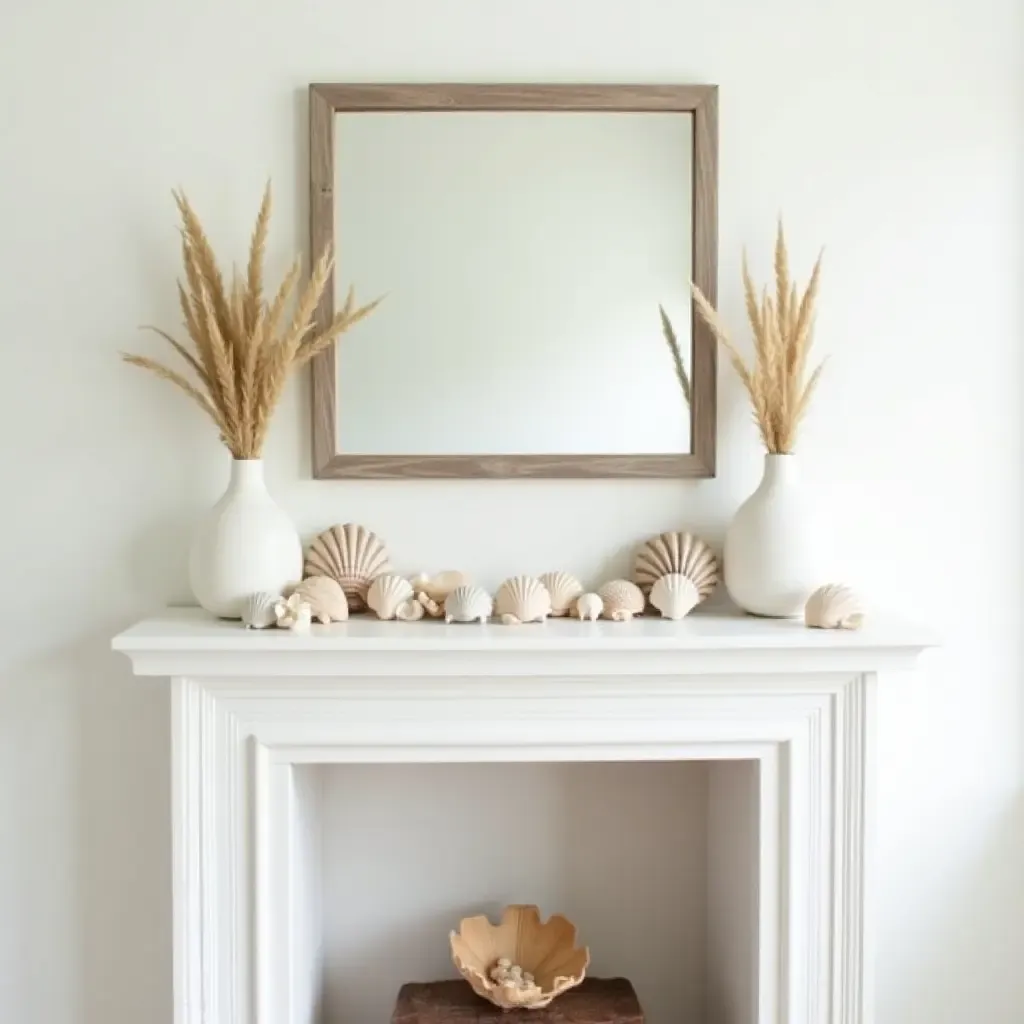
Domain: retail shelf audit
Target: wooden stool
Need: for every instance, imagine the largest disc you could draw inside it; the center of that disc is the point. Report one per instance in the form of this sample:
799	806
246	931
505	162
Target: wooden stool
594	1001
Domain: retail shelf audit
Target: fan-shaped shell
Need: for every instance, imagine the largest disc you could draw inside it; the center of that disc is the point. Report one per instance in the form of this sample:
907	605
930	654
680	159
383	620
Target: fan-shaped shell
438	587
674	595
325	598
834	606
258	610
468	604
410	611
386	593
622	600
522	599
353	556
564	589
589	606
676	552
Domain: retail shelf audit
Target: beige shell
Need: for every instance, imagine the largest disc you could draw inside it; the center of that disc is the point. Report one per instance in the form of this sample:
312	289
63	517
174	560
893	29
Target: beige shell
258	610
834	606
522	599
589	606
325	598
468	604
438	587
546	950
410	611
676	552
430	606
622	600
564	589
674	595
386	593
353	556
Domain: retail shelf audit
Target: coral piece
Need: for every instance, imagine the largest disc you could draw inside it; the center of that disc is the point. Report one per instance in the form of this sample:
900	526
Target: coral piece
589	606
294	613
258	611
468	604
622	600
676	552
386	593
430	606
353	556
674	595
410	611
834	606
522	599
325	597
564	589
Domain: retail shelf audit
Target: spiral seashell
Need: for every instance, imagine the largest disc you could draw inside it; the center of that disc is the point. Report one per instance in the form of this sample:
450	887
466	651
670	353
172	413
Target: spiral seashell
468	604
386	593
834	606
622	600
438	587
353	556
676	552
325	598
674	595
258	610
410	611
589	606
564	589
522	599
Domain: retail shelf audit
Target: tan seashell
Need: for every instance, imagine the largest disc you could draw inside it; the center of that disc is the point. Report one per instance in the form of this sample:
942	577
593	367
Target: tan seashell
676	552
325	598
522	599
622	600
589	606
410	611
430	606
547	951
353	556
258	610
834	606
564	589
386	593
468	604
438	587
674	595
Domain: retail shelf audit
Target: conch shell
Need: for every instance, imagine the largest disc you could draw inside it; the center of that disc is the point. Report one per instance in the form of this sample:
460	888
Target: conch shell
834	606
522	599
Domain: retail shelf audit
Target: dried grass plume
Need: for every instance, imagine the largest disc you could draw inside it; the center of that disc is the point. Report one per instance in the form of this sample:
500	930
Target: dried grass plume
244	347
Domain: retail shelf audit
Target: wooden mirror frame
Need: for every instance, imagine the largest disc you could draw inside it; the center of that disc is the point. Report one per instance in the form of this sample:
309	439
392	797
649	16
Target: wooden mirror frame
325	101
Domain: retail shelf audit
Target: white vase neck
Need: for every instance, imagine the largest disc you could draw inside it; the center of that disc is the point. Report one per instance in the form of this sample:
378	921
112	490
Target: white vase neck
246	472
781	468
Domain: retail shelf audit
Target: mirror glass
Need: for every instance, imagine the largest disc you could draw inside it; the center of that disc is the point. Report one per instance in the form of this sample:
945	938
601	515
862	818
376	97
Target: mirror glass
524	256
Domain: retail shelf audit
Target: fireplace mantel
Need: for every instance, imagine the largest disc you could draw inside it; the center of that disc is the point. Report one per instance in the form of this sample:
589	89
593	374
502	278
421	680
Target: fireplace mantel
250	708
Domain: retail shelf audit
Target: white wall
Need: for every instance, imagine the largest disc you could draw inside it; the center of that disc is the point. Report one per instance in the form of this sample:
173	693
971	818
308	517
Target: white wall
889	131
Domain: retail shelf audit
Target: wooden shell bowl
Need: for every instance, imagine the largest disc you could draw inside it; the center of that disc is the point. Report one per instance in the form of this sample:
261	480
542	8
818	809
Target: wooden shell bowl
546	950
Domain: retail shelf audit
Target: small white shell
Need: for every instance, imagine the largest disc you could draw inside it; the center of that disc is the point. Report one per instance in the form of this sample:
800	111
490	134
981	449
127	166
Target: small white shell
353	556
258	610
622	600
386	593
674	595
325	597
676	552
589	606
522	599
438	587
468	604
293	613
564	589
834	606
410	611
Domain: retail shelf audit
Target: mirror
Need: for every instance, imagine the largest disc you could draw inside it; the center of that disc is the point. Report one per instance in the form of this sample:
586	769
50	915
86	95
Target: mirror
524	238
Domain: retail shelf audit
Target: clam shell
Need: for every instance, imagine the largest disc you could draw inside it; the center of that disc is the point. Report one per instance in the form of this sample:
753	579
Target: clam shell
386	593
564	589
622	600
410	611
589	606
834	606
676	552
468	604
353	556
325	598
258	610
438	587
674	595
522	599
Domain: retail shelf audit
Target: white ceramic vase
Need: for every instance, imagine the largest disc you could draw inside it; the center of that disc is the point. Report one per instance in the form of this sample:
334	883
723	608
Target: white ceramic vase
245	544
773	547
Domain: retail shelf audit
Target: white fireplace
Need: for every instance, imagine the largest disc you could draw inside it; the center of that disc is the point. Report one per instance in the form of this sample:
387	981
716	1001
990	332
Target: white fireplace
697	796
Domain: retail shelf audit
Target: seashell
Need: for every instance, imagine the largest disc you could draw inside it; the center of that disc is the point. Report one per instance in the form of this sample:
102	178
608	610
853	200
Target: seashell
386	593
676	552
293	613
541	959
430	606
353	556
325	598
622	600
468	604
834	606
589	606
258	610
410	611
438	587
674	595
564	589
522	599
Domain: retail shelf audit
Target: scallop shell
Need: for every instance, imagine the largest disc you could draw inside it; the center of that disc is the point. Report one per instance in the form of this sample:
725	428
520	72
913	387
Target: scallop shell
564	589
258	610
353	556
522	599
834	606
410	611
386	593
622	600
674	595
325	598
468	604
438	587
676	552
589	606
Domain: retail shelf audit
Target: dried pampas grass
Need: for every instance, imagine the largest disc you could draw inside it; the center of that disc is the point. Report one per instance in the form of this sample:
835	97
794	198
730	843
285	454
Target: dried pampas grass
783	328
244	348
